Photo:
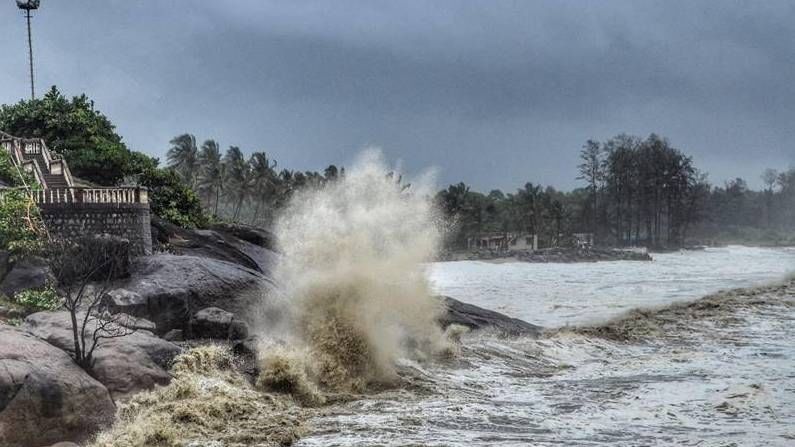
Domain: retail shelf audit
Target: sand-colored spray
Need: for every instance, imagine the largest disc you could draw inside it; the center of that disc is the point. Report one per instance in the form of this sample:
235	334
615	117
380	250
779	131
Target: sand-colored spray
206	401
351	275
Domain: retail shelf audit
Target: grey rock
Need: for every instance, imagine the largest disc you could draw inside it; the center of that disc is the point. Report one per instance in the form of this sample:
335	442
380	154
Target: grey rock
248	247
217	323
174	335
138	324
475	317
169	289
29	273
44	396
125	365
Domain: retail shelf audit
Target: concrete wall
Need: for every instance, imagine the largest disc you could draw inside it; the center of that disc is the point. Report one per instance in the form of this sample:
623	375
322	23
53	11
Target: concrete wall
128	220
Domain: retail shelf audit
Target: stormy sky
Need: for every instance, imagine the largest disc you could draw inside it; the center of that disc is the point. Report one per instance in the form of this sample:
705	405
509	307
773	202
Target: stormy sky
494	93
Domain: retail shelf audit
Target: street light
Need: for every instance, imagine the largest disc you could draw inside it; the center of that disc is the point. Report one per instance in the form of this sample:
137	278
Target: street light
28	6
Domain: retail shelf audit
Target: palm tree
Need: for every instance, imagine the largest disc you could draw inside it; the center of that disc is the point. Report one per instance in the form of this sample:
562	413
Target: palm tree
211	172
237	177
263	179
182	157
529	201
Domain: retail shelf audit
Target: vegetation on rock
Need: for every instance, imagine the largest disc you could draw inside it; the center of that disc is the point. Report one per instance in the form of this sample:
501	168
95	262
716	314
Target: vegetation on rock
35	300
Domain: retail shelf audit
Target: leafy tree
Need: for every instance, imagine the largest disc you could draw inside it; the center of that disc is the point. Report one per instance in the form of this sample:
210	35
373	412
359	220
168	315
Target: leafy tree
76	129
172	200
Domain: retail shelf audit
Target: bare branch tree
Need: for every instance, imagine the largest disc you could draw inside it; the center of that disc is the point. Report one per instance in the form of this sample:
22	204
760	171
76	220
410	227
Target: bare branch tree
83	270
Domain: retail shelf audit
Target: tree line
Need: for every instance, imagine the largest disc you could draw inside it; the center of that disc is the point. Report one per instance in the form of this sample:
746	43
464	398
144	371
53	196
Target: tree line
636	191
232	187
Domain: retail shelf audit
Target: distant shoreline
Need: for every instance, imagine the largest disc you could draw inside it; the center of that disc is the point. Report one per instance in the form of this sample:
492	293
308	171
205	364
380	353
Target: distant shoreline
549	255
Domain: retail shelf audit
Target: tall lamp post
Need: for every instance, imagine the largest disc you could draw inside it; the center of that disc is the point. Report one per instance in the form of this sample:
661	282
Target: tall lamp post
28	6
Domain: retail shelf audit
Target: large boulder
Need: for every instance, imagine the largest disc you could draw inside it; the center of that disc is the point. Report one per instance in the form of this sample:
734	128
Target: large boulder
169	289
125	365
44	396
474	317
246	246
254	235
216	323
27	273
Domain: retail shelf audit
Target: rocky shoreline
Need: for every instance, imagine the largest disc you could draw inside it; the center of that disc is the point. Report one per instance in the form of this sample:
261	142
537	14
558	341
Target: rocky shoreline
198	289
548	255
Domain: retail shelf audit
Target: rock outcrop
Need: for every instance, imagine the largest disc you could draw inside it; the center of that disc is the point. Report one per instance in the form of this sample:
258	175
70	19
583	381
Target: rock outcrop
44	396
169	289
475	317
246	246
125	365
29	273
216	323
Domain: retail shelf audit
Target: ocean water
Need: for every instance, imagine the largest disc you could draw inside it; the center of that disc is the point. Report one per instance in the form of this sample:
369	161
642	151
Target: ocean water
718	378
554	295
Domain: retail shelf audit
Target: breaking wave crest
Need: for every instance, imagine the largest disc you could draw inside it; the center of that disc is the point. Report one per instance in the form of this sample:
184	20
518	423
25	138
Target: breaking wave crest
680	318
352	280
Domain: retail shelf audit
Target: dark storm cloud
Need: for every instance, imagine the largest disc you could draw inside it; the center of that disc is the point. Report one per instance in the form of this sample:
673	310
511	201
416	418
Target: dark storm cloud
492	93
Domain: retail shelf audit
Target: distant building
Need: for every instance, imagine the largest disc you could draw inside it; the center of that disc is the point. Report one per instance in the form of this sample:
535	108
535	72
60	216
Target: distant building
503	241
583	240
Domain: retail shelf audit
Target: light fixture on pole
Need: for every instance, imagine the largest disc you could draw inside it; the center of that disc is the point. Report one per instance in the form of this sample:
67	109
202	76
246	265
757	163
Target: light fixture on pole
28	6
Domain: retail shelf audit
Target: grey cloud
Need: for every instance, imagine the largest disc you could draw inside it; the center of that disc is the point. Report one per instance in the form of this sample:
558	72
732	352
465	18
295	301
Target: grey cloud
492	93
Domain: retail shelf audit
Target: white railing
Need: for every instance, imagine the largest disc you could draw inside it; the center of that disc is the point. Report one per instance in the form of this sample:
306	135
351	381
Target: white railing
127	195
32	146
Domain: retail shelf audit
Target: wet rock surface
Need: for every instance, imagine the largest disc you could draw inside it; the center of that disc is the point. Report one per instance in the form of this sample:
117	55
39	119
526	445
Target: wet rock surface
44	396
246	246
169	289
474	317
216	323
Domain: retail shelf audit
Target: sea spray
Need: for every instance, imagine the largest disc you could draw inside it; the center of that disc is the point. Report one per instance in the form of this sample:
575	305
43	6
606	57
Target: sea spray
208	402
351	276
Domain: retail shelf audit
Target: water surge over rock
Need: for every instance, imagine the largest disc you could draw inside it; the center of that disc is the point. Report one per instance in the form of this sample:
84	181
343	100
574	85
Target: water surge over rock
351	278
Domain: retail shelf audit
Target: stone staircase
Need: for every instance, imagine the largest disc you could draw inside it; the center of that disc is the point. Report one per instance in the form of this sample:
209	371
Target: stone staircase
32	154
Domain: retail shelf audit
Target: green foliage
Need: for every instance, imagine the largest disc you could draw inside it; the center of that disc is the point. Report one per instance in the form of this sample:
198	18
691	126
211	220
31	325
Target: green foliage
172	200
95	152
36	300
20	223
82	134
12	176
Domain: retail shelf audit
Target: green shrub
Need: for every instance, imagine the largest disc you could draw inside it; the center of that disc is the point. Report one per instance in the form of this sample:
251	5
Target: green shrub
38	300
20	223
172	200
13	176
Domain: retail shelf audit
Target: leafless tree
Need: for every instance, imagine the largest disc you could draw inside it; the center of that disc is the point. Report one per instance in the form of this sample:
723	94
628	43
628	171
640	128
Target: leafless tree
83	269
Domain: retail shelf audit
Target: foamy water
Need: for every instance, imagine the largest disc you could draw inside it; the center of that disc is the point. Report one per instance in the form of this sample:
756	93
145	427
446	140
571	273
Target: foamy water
728	381
553	295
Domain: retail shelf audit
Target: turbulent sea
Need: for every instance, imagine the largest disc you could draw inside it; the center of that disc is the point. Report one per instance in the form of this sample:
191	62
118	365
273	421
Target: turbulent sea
717	373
